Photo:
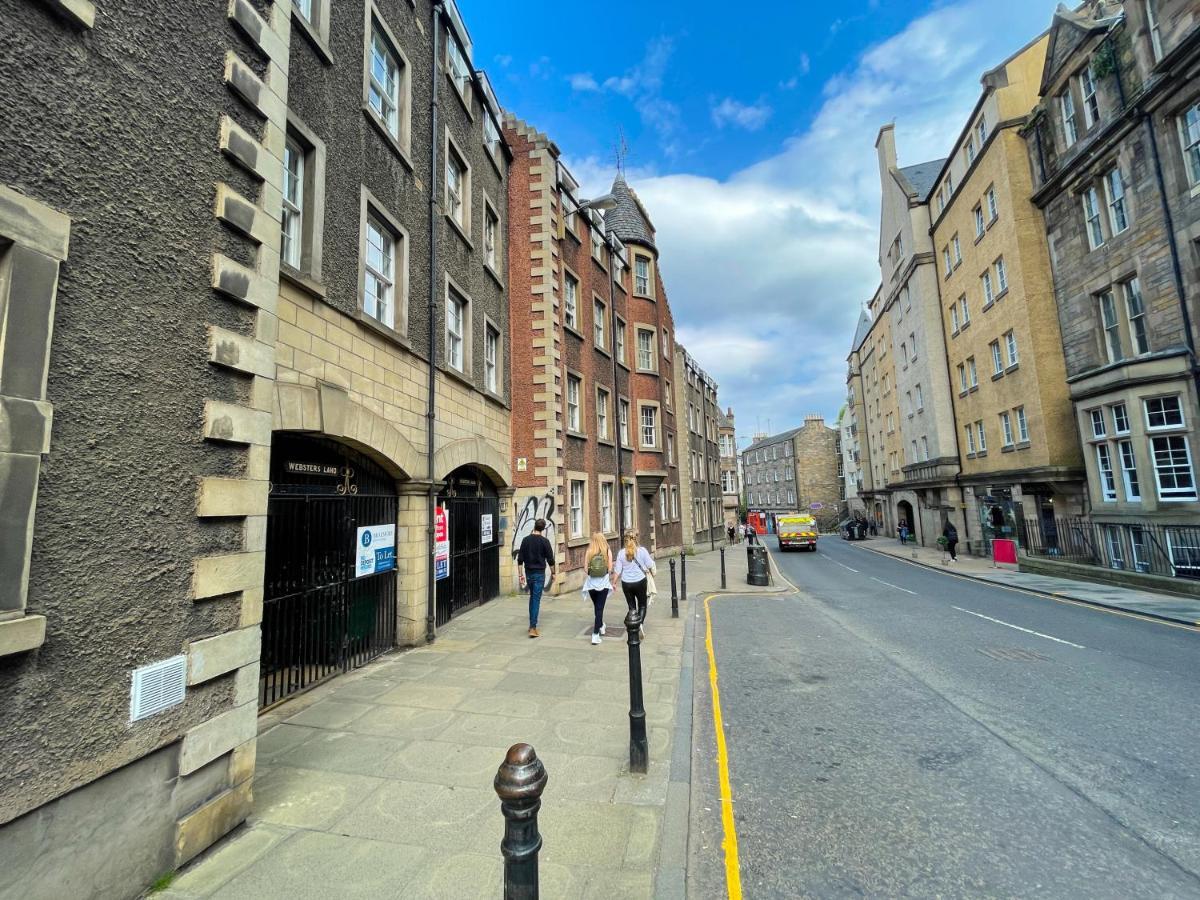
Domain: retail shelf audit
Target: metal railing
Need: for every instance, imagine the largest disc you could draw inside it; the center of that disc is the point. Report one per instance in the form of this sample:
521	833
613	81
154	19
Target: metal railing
1146	547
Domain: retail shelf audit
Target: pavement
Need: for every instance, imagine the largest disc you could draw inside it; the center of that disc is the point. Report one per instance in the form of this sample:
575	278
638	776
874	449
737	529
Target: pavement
1146	603
894	730
379	782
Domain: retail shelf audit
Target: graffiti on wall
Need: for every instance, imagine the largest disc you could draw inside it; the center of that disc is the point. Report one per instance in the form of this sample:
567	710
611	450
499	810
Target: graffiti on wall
529	511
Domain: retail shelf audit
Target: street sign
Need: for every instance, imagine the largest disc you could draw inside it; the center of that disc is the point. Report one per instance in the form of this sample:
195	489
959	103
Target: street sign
441	544
375	549
815	506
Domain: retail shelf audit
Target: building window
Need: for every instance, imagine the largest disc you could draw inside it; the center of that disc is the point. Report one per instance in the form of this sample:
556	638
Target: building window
666	347
305	8
1189	132
1091	105
1136	311
1098	426
491	359
962	380
969	151
641	276
600	331
456	325
620	341
597	244
1010	343
964	311
988	295
491	234
623	421
606	507
981	435
1120	419
972	371
1006	429
981	130
913	339
570	301
491	135
1155	35
460	69
979	224
954	319
1114	188
1022	425
1129	476
920	398
458	188
379	273
904	352
946	260
574	385
997	359
645	350
1066	105
970	438
924	448
1112	328
1001	275
957	249
577	492
662	503
1173	467
670	449
1091	215
1108	485
627	505
649	421
292	224
602	414
1163	412
993	206
383	91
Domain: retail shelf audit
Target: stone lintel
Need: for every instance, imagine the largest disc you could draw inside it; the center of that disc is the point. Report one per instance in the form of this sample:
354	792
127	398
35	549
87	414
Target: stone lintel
230	573
236	424
20	635
236	351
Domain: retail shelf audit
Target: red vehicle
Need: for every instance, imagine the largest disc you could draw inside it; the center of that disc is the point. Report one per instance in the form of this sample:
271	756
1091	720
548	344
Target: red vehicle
758	520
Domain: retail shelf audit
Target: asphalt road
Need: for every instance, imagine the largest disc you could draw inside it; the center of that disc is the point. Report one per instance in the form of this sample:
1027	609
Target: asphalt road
896	731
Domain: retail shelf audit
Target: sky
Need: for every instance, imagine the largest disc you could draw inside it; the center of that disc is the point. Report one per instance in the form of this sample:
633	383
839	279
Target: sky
750	137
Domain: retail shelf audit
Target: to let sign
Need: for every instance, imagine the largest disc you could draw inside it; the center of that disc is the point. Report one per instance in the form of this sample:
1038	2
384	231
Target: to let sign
441	544
374	549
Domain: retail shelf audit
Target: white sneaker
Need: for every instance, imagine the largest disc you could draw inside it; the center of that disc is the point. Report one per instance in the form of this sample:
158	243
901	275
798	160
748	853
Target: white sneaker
642	633
603	628
595	638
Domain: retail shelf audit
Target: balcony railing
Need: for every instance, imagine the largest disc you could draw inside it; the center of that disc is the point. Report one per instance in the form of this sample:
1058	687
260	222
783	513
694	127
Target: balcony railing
1147	547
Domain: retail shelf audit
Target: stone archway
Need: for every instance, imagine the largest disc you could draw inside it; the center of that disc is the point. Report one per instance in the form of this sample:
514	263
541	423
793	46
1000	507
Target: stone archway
473	452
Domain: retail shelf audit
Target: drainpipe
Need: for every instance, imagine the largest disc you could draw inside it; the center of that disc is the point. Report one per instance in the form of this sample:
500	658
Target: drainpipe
619	499
431	404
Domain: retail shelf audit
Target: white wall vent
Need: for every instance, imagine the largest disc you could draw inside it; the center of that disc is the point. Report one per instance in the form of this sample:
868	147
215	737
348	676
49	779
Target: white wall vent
157	686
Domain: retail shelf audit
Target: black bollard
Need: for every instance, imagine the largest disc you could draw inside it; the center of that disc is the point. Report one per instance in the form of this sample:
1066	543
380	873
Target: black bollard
722	568
674	591
519	783
639	747
683	574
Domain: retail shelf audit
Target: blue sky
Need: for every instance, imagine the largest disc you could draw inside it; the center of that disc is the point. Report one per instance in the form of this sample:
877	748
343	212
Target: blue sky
751	140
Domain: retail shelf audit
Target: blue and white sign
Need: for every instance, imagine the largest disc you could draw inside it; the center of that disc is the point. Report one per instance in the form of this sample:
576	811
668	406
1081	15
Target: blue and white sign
375	550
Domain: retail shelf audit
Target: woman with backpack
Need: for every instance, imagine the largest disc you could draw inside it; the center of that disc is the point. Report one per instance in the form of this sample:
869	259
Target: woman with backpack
597	584
634	568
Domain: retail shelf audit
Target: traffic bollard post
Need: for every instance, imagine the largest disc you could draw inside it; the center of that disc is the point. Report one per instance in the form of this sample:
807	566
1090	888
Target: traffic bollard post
519	783
639	747
722	568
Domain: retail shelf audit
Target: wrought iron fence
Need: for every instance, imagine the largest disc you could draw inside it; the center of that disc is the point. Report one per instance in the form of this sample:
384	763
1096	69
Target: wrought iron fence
1146	547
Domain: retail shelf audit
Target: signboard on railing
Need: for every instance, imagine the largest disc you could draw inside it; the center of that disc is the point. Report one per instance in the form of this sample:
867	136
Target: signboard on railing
1004	551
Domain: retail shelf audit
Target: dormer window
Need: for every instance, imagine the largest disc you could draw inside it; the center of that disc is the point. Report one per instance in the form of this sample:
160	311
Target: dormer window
1066	104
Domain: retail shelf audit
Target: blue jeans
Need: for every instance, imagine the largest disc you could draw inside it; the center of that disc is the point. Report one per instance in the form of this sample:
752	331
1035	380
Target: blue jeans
537	581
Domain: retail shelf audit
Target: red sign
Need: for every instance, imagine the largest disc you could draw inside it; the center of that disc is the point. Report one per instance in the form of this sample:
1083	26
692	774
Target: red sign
441	544
1004	551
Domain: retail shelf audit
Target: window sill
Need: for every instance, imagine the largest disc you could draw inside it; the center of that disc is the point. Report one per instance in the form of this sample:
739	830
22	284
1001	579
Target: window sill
460	376
492	159
302	281
392	141
318	41
1000	296
979	237
375	325
988	304
1195	191
972	389
649	297
462	232
579	542
1008	448
996	376
965	325
957	263
495	398
970	456
980	454
1010	369
601	349
22	635
573	330
954	333
992	221
607	442
495	275
599	265
642	371
1023	445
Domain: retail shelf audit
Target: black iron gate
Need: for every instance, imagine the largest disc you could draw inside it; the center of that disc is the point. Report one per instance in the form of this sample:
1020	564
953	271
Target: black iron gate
318	618
471	503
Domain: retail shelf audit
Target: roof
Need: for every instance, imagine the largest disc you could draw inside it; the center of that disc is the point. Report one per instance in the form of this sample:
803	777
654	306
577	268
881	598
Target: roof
628	220
772	439
863	329
723	421
921	178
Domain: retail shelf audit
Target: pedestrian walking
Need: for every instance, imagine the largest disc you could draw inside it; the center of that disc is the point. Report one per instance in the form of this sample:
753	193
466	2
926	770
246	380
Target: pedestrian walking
903	531
634	567
598	583
950	533
729	532
535	555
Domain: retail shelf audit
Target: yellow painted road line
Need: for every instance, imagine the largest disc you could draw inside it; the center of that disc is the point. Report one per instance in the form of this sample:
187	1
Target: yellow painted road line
733	875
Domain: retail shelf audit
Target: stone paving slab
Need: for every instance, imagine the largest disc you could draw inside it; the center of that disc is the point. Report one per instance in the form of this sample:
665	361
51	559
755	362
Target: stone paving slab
379	782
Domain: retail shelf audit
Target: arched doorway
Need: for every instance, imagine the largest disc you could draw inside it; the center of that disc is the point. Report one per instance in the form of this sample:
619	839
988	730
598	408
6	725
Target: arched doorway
904	513
472	506
329	600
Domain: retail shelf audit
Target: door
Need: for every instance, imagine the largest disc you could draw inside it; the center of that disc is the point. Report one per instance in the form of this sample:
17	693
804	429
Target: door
472	507
324	611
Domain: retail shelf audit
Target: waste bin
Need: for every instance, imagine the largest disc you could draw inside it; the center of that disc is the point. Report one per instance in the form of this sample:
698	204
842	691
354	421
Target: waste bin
756	565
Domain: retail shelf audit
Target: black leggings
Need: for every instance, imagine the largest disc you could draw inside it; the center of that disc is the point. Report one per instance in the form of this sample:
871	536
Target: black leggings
598	598
635	596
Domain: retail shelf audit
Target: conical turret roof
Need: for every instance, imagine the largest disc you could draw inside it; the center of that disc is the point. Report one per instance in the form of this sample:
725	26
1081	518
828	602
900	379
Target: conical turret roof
628	220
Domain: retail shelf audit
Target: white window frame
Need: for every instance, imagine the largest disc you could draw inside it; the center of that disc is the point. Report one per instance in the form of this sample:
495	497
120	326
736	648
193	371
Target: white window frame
1110	326
600	323
624	411
458	202
574	403
946	258
973	372
954	318
1129	473
980	225
1135	315
920	397
292	224
491	358
570	301
1175	494
1120	418
1066	107
1114	195
1189	137
993	205
1022	425
382	305
1108	483
989	296
1155	35
649	428
982	435
606	507
458	68
970	430
641	275
997	358
962	378
458	313
1091	218
384	81
1010	347
1006	429
603	399
491	236
651	354
957	249
1001	275
1099	426
964	311
1166	426
1091	102
576	509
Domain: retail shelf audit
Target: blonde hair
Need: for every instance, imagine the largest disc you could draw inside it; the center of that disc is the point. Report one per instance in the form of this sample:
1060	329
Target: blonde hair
598	545
630	545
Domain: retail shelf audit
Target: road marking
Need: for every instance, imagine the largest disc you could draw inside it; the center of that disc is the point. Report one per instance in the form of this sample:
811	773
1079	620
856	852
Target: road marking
889	584
733	875
836	563
1019	628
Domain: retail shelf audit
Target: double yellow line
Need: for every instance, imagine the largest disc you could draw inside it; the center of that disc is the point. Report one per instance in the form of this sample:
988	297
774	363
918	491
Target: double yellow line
733	875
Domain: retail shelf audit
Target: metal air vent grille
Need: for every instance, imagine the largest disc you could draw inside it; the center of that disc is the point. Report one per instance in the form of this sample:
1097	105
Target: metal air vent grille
157	686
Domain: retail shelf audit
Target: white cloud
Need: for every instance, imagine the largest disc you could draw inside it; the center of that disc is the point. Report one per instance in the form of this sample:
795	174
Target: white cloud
583	81
731	112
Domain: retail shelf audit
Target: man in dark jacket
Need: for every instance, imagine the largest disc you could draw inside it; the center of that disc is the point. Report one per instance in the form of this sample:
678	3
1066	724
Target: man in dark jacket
950	533
535	555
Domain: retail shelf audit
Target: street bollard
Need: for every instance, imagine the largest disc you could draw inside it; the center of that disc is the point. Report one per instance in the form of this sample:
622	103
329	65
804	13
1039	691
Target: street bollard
722	568
639	747
683	574
519	783
674	592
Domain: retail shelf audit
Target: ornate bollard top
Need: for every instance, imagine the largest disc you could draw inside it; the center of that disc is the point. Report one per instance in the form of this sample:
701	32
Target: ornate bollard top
521	776
633	621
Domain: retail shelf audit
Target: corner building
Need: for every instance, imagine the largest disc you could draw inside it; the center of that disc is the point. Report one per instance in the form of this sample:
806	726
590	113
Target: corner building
594	437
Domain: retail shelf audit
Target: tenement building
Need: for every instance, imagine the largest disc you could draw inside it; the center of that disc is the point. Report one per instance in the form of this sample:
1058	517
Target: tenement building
594	445
700	455
1115	151
794	471
731	489
816	452
770	477
292	316
1016	438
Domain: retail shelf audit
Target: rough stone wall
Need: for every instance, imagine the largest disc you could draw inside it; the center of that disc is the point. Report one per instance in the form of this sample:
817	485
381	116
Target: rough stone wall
816	458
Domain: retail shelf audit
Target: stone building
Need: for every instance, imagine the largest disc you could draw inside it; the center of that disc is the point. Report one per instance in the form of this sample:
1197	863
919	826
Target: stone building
594	437
1018	453
794	471
306	352
1115	151
855	447
731	485
770	475
872	380
700	455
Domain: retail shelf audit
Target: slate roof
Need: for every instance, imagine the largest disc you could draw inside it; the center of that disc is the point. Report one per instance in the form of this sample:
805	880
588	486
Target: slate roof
860	333
626	220
773	439
923	176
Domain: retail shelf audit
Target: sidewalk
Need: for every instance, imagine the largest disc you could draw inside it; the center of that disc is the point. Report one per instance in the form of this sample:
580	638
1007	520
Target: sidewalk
1159	606
379	783
704	573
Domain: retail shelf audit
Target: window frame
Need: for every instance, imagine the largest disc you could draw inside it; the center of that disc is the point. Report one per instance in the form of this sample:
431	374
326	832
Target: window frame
492	359
493	250
1116	202
400	138
1091	100
1189	122
599	323
570	300
1006	430
1092	218
372	209
574	408
980	224
576	530
456	298
1169	426
1067	116
603	417
639	330
1127	457
1022	425
1110	327
648	290
1012	354
1139	338
291	250
992	203
454	154
643	407
1173	495
1104	470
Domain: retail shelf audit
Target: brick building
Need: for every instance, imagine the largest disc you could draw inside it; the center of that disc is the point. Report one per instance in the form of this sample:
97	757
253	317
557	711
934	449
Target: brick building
594	437
307	353
1115	151
699	455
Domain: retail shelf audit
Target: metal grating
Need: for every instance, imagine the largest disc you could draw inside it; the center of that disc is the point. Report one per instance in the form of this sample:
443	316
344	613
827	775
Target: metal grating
157	686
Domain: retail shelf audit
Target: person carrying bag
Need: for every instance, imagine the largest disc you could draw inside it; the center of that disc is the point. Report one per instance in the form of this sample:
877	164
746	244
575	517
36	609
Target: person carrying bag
597	585
634	568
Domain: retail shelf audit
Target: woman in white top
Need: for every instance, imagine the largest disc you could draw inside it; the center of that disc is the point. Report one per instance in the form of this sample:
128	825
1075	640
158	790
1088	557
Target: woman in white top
598	565
633	564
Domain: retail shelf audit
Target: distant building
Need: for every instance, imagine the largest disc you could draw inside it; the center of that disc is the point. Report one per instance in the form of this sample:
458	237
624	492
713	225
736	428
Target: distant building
700	455
731	482
794	471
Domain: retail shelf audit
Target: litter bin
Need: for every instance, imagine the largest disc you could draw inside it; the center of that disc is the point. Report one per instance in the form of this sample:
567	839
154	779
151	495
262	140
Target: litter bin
756	565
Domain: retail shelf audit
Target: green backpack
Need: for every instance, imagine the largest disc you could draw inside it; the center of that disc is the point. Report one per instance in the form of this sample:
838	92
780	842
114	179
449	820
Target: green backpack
597	566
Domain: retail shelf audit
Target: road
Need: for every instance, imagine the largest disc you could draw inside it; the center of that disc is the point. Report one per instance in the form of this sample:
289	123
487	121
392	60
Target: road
896	731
